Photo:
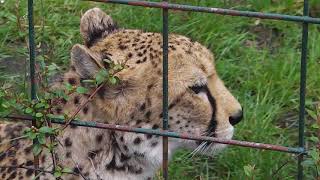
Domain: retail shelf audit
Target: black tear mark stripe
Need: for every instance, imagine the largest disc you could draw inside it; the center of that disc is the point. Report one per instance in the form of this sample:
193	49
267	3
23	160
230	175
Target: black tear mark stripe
213	122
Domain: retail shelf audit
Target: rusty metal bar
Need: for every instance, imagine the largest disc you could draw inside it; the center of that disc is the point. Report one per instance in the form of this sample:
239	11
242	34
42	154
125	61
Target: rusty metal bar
303	79
32	72
165	93
171	134
220	11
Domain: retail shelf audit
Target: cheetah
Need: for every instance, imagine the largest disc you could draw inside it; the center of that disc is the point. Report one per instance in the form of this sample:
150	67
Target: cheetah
199	104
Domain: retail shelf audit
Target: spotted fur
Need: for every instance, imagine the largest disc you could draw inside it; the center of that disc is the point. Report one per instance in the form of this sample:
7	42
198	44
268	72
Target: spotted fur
199	104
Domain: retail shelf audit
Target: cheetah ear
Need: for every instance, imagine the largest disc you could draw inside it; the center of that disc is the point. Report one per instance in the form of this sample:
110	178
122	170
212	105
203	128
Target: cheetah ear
86	62
95	24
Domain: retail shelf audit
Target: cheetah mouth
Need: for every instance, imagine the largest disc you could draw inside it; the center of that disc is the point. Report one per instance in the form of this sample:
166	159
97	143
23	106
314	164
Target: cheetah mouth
208	148
225	133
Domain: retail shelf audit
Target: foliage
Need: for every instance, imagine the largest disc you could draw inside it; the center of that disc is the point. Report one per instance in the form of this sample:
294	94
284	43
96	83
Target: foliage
42	107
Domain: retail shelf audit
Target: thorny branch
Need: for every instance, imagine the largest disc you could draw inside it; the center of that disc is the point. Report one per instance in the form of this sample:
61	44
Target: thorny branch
35	169
283	165
52	138
82	106
91	95
79	170
14	139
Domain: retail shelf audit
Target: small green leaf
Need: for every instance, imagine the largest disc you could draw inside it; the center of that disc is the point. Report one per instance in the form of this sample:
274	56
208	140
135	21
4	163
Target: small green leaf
51	146
312	114
47	106
39	115
101	76
57	174
36	149
39	105
67	170
307	163
46	129
81	90
47	96
59	168
88	81
33	102
314	139
118	67
29	110
100	79
26	130
117	78
113	80
30	134
5	105
42	139
248	170
68	86
107	61
65	96
315	126
315	155
53	67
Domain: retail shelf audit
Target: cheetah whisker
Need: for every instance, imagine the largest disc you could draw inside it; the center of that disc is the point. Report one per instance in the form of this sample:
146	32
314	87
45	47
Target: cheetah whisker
198	149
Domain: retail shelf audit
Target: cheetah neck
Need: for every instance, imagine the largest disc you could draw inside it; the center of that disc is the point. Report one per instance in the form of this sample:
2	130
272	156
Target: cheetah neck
101	155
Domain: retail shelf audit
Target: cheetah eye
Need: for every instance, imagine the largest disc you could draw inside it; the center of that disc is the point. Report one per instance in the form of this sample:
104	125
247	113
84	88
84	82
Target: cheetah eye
198	88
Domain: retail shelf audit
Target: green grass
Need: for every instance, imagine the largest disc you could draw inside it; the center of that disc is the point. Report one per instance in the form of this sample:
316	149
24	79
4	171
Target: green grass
258	60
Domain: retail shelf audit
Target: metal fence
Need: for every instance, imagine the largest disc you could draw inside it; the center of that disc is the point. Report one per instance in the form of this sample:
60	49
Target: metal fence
305	20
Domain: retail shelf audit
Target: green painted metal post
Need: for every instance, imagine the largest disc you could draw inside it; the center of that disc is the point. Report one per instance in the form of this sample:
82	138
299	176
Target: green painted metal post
303	79
33	87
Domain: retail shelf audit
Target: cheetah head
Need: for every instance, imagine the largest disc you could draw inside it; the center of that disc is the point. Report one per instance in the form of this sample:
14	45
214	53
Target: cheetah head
199	102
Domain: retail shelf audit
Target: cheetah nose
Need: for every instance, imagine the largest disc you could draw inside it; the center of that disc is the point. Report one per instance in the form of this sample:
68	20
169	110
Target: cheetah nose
236	118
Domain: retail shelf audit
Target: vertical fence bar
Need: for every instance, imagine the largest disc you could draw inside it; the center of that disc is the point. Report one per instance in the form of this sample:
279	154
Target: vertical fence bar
31	50
303	75
32	70
165	36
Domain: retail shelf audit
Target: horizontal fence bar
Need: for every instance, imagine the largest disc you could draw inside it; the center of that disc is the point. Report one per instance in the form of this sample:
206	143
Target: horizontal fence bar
220	11
171	134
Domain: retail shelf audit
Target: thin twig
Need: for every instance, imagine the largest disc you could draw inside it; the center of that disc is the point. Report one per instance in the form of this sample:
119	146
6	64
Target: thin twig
79	170
38	175
76	164
284	164
91	96
94	168
52	138
14	139
6	150
35	169
82	105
